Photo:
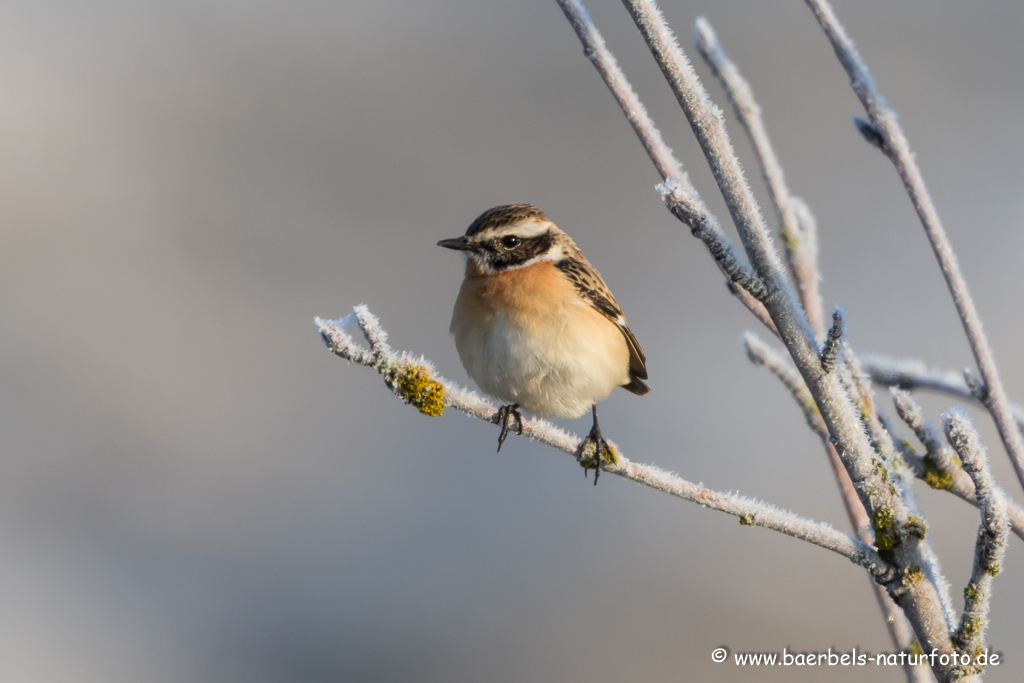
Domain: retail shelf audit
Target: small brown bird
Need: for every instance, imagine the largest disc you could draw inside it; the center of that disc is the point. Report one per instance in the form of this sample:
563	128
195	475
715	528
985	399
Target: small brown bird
537	327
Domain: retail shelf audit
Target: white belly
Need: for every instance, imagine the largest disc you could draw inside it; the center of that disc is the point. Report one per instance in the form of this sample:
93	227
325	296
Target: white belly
555	364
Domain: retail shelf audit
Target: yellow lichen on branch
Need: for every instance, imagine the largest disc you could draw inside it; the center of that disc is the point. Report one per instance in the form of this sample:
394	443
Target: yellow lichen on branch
415	385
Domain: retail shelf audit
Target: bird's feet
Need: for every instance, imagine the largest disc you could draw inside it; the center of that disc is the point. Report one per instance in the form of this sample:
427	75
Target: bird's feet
595	451
505	417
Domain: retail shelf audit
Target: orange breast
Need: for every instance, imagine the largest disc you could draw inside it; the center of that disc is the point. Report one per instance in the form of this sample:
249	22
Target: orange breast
521	293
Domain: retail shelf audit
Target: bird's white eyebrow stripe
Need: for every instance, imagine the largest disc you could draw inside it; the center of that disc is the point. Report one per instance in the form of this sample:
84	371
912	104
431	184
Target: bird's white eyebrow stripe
526	230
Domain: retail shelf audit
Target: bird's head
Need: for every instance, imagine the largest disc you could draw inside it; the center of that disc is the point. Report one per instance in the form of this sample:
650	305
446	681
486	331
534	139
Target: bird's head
510	236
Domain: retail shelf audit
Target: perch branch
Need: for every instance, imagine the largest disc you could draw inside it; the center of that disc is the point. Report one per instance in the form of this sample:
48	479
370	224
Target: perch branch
397	367
991	544
895	146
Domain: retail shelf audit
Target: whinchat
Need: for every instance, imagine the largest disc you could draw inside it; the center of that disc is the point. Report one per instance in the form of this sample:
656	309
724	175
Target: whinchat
536	326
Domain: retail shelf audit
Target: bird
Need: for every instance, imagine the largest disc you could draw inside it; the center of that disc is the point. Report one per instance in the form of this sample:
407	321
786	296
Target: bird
536	326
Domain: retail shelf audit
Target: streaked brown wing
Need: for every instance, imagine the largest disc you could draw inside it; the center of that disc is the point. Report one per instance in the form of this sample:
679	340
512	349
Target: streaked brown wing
591	286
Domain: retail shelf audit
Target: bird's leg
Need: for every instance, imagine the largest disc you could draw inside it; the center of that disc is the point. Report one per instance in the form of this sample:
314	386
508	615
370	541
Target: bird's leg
504	418
594	449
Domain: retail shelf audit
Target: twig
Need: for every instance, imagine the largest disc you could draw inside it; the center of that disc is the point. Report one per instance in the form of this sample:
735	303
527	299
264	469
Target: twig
761	354
755	307
991	544
861	392
909	373
896	528
795	234
896	147
939	466
803	262
398	367
676	189
798	231
833	342
939	462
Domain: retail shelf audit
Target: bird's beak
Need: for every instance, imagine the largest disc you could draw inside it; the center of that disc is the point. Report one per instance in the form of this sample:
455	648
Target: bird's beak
458	244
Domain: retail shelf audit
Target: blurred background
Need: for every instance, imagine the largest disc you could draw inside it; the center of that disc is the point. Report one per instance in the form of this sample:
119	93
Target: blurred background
193	489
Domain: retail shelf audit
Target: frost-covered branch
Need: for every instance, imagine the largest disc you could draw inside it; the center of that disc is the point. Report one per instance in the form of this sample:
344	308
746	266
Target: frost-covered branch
897	529
414	379
894	144
782	305
940	463
991	544
910	374
761	354
677	191
796	231
939	466
755	307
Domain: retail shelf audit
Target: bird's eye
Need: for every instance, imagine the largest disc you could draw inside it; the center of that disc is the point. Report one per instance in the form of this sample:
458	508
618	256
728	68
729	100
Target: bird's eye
509	241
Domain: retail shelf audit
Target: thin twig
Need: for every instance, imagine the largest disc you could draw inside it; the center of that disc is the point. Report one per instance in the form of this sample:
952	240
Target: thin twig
939	458
762	355
755	307
991	544
800	256
803	262
896	147
858	384
909	373
676	189
939	466
398	367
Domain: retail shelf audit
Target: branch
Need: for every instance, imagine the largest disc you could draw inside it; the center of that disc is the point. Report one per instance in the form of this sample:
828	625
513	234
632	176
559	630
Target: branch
858	384
676	189
761	354
755	307
908	373
798	236
798	231
894	144
415	380
939	466
991	544
860	390
897	529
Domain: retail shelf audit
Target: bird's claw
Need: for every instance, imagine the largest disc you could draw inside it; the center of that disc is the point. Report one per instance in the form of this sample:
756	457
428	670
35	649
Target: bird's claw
594	452
504	418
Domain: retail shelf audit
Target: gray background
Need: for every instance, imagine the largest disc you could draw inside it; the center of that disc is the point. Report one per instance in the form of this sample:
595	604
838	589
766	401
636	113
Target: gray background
193	489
